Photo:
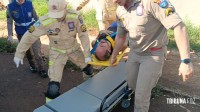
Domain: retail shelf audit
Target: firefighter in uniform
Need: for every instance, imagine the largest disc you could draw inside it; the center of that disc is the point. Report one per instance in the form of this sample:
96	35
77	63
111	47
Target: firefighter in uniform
105	12
146	22
24	15
61	26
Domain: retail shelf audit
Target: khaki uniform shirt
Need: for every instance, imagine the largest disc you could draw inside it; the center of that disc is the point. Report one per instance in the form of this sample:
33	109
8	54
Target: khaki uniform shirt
146	23
62	35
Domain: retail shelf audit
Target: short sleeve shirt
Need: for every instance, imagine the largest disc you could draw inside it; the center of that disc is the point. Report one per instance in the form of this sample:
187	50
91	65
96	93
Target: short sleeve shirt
146	23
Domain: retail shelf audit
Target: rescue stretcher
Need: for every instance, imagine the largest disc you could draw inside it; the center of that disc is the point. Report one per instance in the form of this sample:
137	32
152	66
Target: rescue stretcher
98	94
96	62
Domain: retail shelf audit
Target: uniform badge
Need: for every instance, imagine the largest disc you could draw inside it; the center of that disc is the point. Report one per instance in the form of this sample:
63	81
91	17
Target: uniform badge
52	32
164	4
31	29
83	28
71	26
121	19
169	11
139	10
49	31
37	23
57	30
161	3
29	14
15	14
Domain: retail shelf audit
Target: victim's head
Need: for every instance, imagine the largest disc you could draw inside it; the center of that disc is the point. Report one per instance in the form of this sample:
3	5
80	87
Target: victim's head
103	50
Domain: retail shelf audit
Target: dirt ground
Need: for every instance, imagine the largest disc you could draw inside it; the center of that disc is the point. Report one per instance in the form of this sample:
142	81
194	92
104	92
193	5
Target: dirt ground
22	91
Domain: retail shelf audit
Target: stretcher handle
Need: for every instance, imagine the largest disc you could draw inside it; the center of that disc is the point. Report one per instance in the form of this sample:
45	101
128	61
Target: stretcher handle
107	96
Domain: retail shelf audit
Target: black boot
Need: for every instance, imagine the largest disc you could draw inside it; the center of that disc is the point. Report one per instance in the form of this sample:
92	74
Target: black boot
88	70
53	90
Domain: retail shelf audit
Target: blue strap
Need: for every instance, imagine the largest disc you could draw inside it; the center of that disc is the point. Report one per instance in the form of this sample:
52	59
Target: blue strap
114	24
97	42
95	46
113	35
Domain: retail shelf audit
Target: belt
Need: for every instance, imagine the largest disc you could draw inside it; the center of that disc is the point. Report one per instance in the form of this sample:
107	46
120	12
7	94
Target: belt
149	52
154	49
25	24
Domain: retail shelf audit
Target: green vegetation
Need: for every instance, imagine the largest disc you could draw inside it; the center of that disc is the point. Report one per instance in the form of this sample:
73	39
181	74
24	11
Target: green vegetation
156	92
3	15
90	19
71	65
40	7
194	36
7	47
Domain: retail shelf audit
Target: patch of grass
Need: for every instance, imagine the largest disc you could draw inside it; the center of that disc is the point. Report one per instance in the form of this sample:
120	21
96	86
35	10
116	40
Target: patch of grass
172	43
156	92
3	15
7	47
90	19
40	7
73	66
194	37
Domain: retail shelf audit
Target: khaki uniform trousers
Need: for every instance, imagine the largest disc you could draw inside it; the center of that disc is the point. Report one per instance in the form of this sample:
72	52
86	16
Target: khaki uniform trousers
143	72
58	60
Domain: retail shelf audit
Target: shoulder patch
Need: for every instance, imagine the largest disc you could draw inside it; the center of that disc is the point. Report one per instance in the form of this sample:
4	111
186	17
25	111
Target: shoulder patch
72	16
162	3
31	29
83	28
121	19
169	11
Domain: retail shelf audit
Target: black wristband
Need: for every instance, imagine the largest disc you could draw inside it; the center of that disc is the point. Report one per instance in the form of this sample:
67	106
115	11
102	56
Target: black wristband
186	61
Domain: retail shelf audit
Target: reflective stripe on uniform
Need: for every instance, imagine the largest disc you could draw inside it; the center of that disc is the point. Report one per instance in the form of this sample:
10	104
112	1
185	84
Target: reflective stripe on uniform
111	9
50	63
48	99
71	16
58	50
25	24
48	21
